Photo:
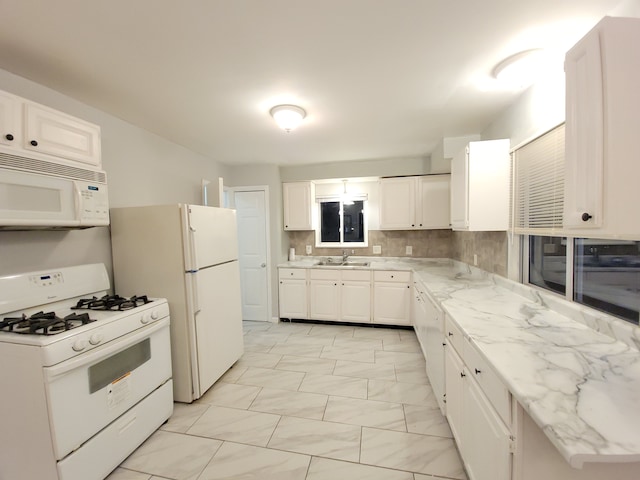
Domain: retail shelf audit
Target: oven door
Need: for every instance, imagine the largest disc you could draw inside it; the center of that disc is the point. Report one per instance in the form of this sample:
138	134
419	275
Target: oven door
88	392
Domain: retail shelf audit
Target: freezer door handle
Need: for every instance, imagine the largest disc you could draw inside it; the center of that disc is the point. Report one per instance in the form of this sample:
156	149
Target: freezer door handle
191	259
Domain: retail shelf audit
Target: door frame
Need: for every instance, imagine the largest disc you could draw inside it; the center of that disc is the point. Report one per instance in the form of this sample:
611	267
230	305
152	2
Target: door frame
267	228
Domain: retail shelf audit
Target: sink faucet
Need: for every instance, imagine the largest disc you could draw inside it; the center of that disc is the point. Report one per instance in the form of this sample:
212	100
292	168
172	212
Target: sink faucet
345	255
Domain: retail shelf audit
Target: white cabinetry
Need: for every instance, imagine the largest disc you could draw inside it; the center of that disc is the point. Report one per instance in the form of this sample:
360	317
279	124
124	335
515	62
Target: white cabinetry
480	187
414	203
392	297
27	125
602	117
355	296
298	200
324	294
478	410
292	293
55	133
10	115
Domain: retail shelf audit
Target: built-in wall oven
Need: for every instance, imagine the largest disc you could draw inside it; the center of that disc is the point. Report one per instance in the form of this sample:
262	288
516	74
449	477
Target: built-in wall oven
84	380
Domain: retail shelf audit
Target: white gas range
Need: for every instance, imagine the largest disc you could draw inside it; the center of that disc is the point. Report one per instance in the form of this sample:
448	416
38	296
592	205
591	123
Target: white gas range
85	377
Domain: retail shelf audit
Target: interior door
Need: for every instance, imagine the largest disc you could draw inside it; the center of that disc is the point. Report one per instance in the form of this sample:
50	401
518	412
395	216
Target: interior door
252	254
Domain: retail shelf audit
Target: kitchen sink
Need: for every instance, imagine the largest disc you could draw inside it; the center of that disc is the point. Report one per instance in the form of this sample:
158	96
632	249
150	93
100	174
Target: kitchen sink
327	263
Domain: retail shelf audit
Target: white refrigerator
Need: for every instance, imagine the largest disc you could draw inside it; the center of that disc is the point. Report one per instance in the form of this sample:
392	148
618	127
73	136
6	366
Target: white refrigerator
187	254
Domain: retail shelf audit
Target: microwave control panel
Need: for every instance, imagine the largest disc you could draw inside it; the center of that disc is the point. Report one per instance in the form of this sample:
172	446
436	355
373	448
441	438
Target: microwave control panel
94	203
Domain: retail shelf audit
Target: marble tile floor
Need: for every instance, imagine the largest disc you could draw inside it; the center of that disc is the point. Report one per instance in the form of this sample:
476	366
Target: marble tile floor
308	402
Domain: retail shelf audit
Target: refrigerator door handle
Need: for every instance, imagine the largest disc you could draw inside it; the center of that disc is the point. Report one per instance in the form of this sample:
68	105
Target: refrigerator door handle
193	293
190	253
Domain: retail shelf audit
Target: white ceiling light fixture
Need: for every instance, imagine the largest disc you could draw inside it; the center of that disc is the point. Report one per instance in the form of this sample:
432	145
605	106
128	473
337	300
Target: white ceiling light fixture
521	69
288	117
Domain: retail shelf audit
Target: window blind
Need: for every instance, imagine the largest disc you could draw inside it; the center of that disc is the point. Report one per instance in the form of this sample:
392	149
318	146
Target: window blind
538	185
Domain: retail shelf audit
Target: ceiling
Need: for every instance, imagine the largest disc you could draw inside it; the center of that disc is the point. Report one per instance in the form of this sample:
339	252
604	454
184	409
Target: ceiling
379	79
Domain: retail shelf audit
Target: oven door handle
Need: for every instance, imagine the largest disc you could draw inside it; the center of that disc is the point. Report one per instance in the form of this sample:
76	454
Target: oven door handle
105	351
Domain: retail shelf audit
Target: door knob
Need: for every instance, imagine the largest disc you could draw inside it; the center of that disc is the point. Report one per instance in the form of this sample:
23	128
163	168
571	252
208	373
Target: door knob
263	265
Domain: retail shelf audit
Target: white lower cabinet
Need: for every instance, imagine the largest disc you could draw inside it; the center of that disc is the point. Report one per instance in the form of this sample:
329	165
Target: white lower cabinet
483	437
292	293
355	296
392	297
324	294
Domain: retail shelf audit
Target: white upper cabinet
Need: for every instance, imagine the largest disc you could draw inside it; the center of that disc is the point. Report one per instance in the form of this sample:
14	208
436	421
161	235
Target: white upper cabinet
480	187
298	200
56	133
10	130
414	203
26	125
602	118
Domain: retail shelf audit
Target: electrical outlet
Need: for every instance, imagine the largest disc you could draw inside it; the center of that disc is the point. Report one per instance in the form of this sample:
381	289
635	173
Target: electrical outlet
409	250
475	259
308	249
377	249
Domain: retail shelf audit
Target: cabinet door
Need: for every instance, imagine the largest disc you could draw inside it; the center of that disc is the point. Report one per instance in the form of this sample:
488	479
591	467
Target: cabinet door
392	303
324	299
488	455
460	190
434	210
454	381
10	129
398	203
584	135
55	133
355	301
297	199
293	298
434	347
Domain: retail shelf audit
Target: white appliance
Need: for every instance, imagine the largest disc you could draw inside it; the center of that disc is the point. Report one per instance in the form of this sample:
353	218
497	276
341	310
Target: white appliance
82	387
38	192
187	254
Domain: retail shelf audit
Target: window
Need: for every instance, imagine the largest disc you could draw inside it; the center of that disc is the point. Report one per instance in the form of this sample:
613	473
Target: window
342	223
602	274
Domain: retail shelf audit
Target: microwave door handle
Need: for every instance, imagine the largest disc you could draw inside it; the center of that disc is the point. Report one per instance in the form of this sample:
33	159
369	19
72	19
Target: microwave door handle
77	200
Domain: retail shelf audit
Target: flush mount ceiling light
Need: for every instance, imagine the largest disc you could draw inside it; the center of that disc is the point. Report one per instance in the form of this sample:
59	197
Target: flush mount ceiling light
521	69
288	117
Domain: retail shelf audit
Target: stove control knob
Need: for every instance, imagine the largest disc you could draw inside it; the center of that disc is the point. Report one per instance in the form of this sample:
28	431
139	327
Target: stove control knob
154	315
96	338
79	345
144	319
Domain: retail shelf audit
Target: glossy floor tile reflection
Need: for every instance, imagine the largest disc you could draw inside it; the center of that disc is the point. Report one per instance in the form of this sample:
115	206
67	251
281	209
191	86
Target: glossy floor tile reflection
308	402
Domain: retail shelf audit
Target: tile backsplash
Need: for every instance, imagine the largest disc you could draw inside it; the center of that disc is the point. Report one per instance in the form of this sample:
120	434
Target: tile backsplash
490	247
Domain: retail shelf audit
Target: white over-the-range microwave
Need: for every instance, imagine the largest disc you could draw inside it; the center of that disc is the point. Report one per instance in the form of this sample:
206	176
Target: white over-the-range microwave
40	192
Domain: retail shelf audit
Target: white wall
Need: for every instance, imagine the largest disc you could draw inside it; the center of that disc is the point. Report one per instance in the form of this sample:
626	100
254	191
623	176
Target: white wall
141	167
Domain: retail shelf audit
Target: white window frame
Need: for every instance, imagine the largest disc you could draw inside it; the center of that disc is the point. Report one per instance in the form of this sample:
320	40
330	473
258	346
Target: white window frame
342	243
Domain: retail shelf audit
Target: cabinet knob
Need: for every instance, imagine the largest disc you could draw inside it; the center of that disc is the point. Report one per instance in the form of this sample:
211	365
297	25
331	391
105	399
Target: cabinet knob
462	375
450	334
586	217
9	137
335	284
413	225
34	143
478	371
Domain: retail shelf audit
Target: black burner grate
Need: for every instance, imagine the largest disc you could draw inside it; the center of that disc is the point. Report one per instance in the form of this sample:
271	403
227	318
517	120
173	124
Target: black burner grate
42	323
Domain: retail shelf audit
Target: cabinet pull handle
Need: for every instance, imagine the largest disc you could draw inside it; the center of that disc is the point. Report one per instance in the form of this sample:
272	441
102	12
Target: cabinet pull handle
33	143
9	137
478	371
586	217
462	374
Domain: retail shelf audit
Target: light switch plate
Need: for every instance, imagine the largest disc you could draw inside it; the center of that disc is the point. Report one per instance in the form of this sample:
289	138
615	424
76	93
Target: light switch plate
409	250
308	249
377	249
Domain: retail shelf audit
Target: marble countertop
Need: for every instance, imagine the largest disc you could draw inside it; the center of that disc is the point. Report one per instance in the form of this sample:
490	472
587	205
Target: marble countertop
580	386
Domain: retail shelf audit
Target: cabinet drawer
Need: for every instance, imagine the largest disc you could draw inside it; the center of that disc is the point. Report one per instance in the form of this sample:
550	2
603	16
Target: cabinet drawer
454	336
323	274
488	380
297	273
357	275
389	276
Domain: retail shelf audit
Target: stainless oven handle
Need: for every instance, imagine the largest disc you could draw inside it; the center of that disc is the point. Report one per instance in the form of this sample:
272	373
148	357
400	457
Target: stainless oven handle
106	350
